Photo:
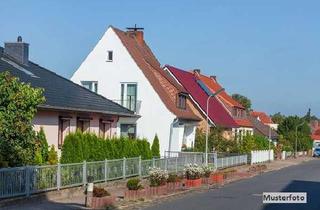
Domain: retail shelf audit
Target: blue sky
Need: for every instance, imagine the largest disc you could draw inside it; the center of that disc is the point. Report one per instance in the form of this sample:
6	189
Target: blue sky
267	50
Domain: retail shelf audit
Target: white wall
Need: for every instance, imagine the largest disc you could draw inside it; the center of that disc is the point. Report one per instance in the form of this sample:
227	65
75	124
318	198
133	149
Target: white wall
155	117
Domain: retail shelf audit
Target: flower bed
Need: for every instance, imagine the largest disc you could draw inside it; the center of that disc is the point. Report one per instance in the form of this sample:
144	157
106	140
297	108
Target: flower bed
193	173
193	182
135	190
174	182
101	198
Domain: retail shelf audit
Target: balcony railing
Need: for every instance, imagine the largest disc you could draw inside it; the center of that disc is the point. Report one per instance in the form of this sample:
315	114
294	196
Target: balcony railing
133	105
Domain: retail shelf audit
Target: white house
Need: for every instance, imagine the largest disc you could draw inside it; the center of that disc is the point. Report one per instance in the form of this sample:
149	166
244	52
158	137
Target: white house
123	68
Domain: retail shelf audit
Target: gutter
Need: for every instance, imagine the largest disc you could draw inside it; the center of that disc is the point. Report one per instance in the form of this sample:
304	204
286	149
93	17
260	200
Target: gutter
59	108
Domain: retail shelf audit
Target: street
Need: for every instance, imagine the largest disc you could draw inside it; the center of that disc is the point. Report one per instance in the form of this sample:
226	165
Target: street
247	194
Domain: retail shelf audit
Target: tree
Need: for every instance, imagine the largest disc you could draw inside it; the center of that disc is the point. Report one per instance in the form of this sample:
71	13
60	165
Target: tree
243	100
18	105
278	118
42	145
155	148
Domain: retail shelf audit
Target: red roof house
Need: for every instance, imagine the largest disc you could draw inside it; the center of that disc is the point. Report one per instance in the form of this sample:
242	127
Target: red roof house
218	114
263	117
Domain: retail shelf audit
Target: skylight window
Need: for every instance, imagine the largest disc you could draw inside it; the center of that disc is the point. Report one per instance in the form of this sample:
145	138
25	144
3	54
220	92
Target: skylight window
19	68
204	87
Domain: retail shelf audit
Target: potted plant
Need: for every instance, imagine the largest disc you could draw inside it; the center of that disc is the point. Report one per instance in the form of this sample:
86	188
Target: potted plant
101	198
206	173
174	182
193	173
158	179
135	190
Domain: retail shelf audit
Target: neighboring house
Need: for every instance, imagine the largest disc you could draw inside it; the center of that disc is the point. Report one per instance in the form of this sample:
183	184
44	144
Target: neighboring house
265	119
316	138
68	106
218	114
236	110
264	130
122	67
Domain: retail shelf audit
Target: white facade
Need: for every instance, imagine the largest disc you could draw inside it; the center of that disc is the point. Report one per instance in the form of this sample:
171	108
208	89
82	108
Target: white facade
110	75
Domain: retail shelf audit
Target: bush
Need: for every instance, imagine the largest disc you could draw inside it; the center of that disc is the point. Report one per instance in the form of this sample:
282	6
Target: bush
134	184
157	177
155	148
79	146
38	158
193	171
42	144
100	192
52	156
206	171
173	177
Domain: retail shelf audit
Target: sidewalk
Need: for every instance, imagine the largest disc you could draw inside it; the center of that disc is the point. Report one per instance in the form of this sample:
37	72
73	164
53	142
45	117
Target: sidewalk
77	200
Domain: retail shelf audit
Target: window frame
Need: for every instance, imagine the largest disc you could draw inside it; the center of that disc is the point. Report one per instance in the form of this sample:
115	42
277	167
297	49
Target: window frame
110	55
80	121
61	122
184	104
90	85
129	124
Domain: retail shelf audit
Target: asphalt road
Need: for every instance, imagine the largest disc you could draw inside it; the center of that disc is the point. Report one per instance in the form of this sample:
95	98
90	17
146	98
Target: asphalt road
247	194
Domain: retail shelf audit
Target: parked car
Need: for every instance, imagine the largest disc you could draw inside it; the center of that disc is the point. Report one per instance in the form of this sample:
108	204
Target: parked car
316	152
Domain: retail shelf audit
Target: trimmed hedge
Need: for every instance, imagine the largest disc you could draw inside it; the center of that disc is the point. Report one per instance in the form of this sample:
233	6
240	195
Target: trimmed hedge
78	147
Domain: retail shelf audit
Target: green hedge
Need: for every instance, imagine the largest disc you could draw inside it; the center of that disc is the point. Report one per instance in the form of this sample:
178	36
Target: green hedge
78	147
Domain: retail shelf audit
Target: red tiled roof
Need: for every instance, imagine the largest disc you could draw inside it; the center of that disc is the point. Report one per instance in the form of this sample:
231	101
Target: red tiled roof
244	122
217	113
163	84
264	118
316	135
215	86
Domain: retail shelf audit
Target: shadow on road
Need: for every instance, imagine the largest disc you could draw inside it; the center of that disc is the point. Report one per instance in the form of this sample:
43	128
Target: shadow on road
313	196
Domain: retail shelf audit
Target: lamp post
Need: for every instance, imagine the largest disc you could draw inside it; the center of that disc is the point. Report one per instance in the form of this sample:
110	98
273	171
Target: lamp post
296	143
207	131
269	142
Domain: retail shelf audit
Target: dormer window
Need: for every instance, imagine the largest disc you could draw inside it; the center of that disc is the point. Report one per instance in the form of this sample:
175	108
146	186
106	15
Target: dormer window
110	56
182	101
91	85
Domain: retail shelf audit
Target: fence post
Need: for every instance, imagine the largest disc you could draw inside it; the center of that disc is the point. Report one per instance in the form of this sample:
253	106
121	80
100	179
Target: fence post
166	164
140	166
27	181
124	168
58	176
105	170
153	163
215	161
84	173
176	164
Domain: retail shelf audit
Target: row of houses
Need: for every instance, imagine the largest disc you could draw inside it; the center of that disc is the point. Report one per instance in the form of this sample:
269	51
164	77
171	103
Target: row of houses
122	89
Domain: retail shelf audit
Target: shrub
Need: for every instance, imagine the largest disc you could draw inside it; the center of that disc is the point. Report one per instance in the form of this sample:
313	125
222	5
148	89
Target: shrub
79	146
52	156
155	148
134	184
173	177
100	192
206	171
38	157
157	177
42	144
193	171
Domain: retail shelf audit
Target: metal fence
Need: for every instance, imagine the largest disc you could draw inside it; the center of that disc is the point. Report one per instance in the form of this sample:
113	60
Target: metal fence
34	179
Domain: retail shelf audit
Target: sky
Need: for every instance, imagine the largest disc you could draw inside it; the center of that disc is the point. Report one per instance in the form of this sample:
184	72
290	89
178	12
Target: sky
266	50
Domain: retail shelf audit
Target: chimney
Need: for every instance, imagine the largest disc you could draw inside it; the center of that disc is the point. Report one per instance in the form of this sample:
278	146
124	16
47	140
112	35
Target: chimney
18	51
196	71
213	77
137	33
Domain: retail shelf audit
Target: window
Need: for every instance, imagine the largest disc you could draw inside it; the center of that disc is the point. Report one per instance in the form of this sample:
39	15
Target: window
63	129
182	101
110	56
128	130
129	96
83	124
91	85
105	127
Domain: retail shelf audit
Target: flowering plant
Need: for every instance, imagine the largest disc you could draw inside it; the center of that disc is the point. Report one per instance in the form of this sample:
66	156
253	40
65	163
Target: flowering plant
206	171
157	177
193	171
